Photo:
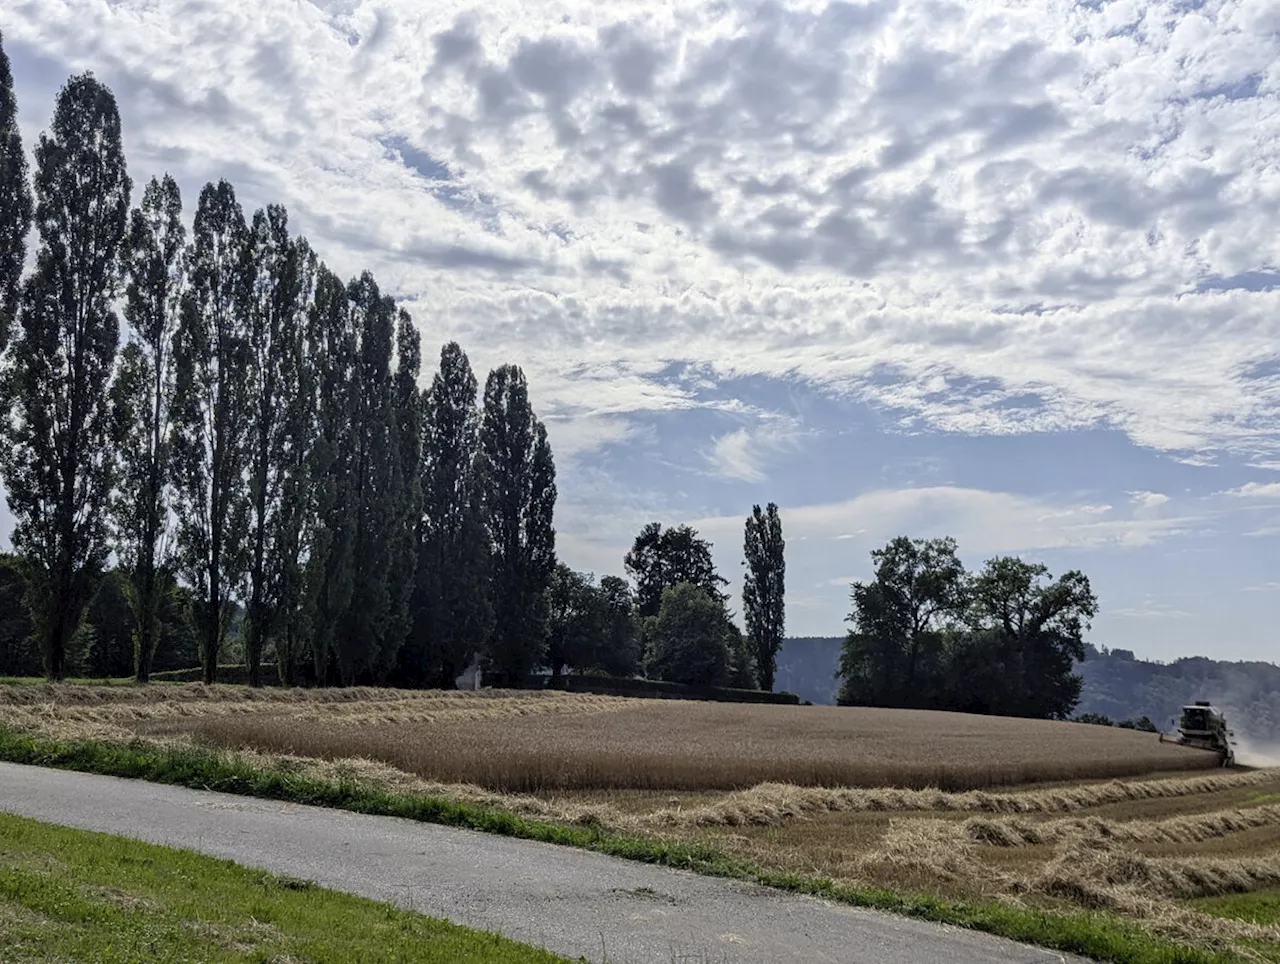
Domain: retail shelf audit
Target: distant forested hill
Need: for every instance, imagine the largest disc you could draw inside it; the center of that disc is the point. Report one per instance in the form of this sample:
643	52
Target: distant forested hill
807	667
1121	687
1115	684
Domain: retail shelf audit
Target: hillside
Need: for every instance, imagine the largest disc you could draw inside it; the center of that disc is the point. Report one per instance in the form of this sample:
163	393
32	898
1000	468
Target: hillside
1120	686
1115	684
807	667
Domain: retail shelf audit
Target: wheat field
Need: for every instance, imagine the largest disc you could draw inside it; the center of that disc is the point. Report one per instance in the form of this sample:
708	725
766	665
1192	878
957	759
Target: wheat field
1031	812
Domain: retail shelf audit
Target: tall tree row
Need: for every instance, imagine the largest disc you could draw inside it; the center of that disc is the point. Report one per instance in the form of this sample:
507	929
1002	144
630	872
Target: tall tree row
291	535
374	625
258	458
59	456
276	284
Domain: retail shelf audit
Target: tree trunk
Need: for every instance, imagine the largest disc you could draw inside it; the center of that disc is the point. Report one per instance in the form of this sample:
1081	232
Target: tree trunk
213	632
54	649
148	625
253	644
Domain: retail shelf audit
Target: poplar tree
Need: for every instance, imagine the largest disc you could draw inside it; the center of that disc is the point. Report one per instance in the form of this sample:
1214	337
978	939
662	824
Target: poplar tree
212	415
363	629
404	501
764	589
452	612
518	495
15	201
144	392
58	461
329	571
275	300
297	523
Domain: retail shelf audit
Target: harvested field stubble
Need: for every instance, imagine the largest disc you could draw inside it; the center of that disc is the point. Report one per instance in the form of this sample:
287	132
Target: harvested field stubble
691	746
774	804
72	711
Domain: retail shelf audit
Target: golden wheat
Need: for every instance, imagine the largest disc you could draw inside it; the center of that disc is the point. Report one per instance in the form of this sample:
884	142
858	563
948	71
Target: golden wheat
611	744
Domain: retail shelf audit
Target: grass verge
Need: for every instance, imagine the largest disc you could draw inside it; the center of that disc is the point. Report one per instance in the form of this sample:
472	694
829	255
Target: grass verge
1095	935
74	895
1256	907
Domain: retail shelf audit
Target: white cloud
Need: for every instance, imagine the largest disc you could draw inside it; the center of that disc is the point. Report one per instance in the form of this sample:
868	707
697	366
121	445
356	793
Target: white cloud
1149	500
573	437
735	457
1264	587
745	453
1255	490
1151	610
982	521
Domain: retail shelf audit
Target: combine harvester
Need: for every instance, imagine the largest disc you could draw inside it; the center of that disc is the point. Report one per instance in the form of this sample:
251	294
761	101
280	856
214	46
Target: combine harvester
1204	727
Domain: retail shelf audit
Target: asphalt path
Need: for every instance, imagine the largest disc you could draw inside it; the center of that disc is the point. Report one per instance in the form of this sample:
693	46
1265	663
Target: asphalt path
574	902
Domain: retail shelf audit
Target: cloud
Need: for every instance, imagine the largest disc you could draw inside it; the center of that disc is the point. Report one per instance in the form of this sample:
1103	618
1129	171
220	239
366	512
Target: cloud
1264	587
1151	610
1255	490
1149	500
572	438
862	195
745	454
733	457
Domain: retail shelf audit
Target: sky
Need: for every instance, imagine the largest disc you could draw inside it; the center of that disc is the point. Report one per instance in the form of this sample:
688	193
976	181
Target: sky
1008	272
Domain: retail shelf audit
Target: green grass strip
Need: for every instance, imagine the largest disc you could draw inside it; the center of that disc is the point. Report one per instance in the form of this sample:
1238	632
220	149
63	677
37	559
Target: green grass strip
1098	936
76	895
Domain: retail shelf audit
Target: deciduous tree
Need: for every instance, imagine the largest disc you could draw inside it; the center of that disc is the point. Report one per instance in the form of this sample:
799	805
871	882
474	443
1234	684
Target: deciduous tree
59	456
1028	633
894	654
576	617
688	641
660	559
619	653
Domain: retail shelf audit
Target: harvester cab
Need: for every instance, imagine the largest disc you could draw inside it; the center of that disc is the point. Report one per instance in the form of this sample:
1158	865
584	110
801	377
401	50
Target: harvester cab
1204	727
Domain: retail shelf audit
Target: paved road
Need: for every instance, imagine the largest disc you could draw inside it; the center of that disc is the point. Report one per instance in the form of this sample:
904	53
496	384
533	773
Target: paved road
574	902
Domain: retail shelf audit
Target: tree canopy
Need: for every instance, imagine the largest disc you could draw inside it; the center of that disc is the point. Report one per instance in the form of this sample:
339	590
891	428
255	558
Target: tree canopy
927	633
660	559
15	201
